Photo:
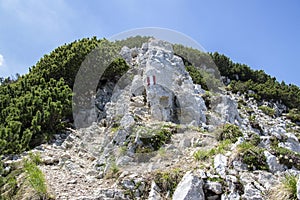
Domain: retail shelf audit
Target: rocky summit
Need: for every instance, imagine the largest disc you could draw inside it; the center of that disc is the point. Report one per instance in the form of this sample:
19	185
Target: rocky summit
160	136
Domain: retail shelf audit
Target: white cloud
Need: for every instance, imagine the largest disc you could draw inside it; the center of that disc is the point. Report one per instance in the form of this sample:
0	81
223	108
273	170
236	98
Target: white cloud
1	60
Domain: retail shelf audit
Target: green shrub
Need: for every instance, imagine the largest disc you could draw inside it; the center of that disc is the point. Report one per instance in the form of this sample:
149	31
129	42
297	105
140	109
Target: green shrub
294	115
265	87
39	104
116	69
167	181
253	156
230	132
254	139
267	110
153	138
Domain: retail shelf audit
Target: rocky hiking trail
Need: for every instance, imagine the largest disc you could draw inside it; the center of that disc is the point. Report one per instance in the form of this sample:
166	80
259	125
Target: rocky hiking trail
71	173
70	167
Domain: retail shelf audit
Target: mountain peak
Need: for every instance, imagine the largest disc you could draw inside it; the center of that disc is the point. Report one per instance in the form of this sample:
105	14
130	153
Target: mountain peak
161	125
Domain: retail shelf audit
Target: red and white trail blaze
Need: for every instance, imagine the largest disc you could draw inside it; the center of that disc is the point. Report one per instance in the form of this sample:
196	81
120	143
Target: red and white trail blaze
151	80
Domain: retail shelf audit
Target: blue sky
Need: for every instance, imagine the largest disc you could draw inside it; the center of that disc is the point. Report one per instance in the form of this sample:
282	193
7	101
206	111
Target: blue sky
264	34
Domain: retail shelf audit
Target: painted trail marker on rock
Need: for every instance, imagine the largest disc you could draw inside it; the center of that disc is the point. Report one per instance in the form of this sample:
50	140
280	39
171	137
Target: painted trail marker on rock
151	80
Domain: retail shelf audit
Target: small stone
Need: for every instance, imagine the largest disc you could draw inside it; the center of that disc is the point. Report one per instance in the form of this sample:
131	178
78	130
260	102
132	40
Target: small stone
73	181
220	164
298	188
100	175
50	161
214	187
154	192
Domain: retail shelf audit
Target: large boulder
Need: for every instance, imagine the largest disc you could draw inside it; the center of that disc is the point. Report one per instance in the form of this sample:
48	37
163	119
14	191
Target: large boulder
190	187
226	109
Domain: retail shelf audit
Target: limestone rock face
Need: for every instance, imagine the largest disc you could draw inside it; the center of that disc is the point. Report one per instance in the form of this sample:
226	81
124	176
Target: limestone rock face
172	94
273	164
190	187
126	54
226	108
167	87
291	143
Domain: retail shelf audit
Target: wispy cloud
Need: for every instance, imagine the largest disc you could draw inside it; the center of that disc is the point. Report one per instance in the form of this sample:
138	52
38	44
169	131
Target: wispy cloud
41	16
1	60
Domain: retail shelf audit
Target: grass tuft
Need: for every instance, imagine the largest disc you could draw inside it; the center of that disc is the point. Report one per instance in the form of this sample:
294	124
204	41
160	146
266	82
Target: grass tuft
287	189
222	147
36	178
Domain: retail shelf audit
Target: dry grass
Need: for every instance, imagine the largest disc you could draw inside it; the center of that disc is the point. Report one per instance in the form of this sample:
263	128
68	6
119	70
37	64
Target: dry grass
287	189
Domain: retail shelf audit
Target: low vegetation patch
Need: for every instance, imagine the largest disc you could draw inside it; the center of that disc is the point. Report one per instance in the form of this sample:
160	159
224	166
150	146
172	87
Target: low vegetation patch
35	178
153	138
294	115
285	156
23	177
267	110
167	181
230	132
290	185
113	170
202	155
205	154
253	156
287	189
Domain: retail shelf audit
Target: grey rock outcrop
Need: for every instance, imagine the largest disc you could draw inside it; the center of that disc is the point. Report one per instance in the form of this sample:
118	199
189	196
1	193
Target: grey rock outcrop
226	108
291	143
162	79
215	187
154	192
172	96
220	164
126	54
272	162
190	187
